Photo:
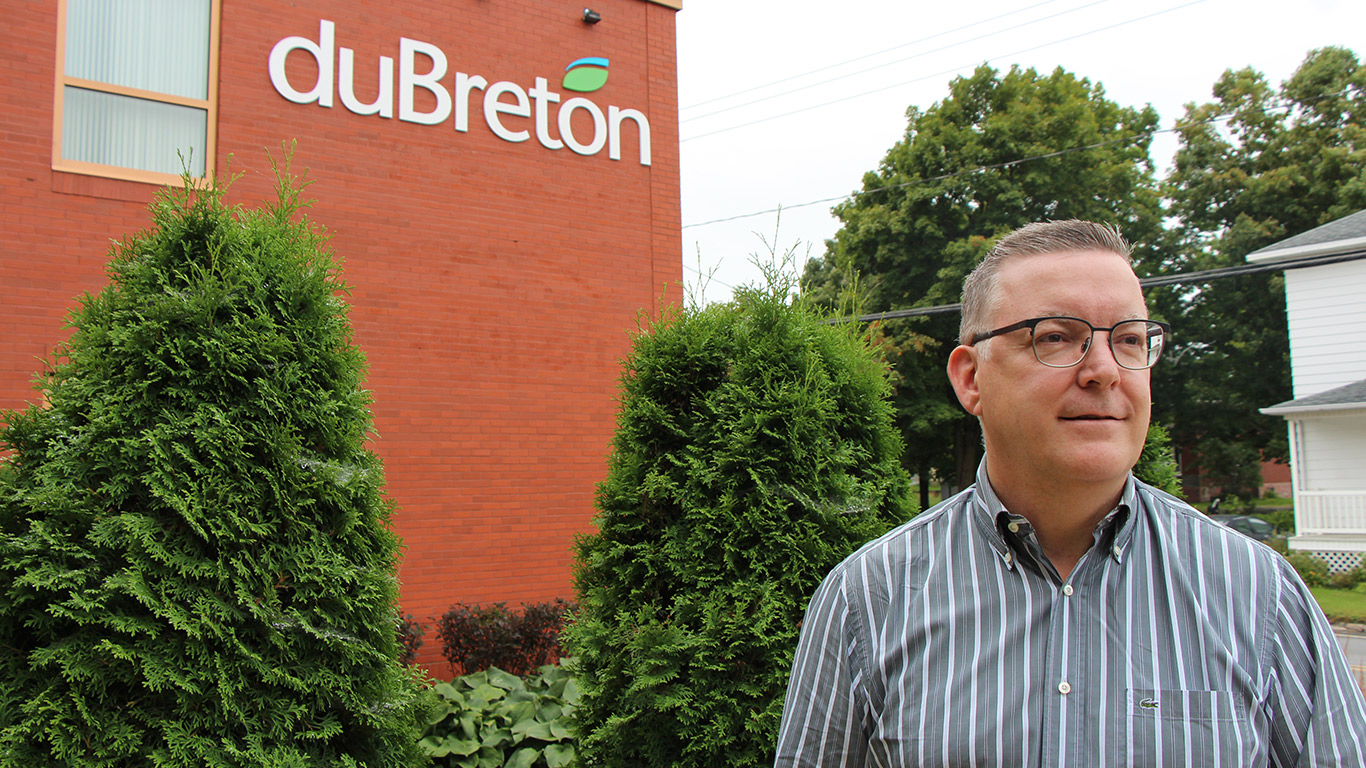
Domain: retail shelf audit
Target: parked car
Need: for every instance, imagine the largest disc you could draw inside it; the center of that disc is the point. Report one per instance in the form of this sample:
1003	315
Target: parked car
1255	527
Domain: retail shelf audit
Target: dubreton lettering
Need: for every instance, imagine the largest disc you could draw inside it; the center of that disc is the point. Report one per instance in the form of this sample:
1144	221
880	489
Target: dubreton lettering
505	104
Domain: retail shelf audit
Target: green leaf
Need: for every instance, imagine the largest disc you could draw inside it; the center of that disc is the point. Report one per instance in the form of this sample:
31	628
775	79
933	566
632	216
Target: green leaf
461	747
433	746
486	693
523	758
468	725
571	694
504	680
522	710
539	730
497	737
558	755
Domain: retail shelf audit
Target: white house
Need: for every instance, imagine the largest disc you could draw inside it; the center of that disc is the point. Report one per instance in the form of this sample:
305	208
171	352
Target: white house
1325	297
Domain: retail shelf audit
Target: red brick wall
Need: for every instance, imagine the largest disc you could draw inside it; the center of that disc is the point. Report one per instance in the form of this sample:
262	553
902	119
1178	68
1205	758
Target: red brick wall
494	283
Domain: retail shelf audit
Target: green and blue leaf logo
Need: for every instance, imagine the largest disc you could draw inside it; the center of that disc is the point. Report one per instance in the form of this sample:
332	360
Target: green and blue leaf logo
585	75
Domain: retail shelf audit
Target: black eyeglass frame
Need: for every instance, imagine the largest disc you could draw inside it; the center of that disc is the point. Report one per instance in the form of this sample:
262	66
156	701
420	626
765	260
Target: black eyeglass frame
1033	322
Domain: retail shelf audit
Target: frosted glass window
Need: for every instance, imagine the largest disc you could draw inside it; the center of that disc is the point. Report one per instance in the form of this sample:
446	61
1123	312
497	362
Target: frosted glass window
110	129
135	97
152	45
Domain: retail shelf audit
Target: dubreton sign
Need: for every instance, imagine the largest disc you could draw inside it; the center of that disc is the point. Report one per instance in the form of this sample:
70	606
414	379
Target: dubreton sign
501	101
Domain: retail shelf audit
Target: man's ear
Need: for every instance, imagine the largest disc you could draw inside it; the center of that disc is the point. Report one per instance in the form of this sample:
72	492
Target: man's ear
963	377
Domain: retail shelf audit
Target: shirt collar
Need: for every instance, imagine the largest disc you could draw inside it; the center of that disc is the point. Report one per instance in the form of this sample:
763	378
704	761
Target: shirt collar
992	519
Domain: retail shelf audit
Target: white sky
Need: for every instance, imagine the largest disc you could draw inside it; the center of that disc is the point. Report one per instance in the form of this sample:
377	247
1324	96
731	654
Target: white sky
1170	58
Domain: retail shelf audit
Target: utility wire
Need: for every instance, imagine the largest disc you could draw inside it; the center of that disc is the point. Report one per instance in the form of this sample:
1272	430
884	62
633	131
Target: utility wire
939	74
708	277
890	63
865	56
1202	276
1285	105
950	175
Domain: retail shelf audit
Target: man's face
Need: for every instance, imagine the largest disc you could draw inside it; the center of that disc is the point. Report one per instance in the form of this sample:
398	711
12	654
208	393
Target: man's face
1085	424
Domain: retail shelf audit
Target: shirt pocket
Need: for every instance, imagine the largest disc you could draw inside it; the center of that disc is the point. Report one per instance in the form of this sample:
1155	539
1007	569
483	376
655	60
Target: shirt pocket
1185	728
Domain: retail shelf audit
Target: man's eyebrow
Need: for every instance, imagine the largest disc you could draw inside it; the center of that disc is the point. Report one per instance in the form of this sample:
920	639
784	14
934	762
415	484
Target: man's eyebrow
1143	315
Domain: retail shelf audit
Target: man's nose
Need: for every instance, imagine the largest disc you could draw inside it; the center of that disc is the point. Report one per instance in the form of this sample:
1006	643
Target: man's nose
1099	365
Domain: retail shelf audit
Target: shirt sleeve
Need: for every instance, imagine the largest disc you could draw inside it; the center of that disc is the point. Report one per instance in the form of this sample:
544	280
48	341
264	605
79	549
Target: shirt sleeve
1318	716
820	722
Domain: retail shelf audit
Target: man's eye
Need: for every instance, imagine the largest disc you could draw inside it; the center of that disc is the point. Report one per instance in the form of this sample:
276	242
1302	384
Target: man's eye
1129	340
1056	337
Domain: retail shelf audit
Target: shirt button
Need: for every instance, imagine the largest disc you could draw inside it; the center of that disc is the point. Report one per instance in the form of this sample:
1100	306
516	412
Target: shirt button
1067	590
1115	550
1064	687
1008	558
1013	527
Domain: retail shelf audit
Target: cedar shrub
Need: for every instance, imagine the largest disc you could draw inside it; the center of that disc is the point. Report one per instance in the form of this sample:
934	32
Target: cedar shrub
196	567
1157	464
755	449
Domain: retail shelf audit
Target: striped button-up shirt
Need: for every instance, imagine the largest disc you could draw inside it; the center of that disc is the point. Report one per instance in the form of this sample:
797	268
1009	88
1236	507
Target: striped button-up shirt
952	641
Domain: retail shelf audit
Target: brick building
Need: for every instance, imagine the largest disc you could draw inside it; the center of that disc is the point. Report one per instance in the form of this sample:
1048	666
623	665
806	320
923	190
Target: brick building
502	214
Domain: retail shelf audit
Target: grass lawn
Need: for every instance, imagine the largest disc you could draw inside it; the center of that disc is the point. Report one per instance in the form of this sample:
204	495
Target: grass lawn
1342	604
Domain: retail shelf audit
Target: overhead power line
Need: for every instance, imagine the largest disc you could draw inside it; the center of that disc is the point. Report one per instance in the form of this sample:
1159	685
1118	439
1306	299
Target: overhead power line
950	175
944	72
1202	276
847	75
819	70
1284	105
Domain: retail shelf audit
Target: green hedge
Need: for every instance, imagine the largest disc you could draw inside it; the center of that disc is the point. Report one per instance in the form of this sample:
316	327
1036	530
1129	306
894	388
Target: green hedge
196	567
755	449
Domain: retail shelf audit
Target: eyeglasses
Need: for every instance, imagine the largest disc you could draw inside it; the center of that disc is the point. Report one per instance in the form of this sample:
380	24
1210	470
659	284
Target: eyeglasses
1062	342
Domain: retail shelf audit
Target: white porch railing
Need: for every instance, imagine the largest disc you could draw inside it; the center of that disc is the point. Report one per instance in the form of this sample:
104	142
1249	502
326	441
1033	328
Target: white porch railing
1330	512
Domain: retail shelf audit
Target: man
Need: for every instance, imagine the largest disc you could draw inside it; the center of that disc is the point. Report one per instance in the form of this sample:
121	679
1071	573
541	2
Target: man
1059	612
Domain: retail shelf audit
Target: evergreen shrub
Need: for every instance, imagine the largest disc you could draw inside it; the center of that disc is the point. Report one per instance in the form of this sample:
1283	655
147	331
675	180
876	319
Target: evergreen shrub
196	567
1157	464
755	449
475	637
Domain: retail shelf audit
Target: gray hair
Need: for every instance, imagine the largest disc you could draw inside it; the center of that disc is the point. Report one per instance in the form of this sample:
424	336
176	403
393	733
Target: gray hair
1037	239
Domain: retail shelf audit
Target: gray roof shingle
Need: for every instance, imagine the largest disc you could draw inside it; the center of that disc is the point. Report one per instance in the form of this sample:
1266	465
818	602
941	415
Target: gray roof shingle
1339	398
1349	227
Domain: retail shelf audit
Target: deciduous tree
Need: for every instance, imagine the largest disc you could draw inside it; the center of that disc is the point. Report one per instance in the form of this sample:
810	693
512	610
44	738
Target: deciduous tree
1002	150
1256	165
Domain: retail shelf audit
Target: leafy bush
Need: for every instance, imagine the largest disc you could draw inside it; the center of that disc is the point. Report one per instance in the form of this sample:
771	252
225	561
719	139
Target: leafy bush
410	634
1311	569
1282	519
755	449
478	637
196	567
493	718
